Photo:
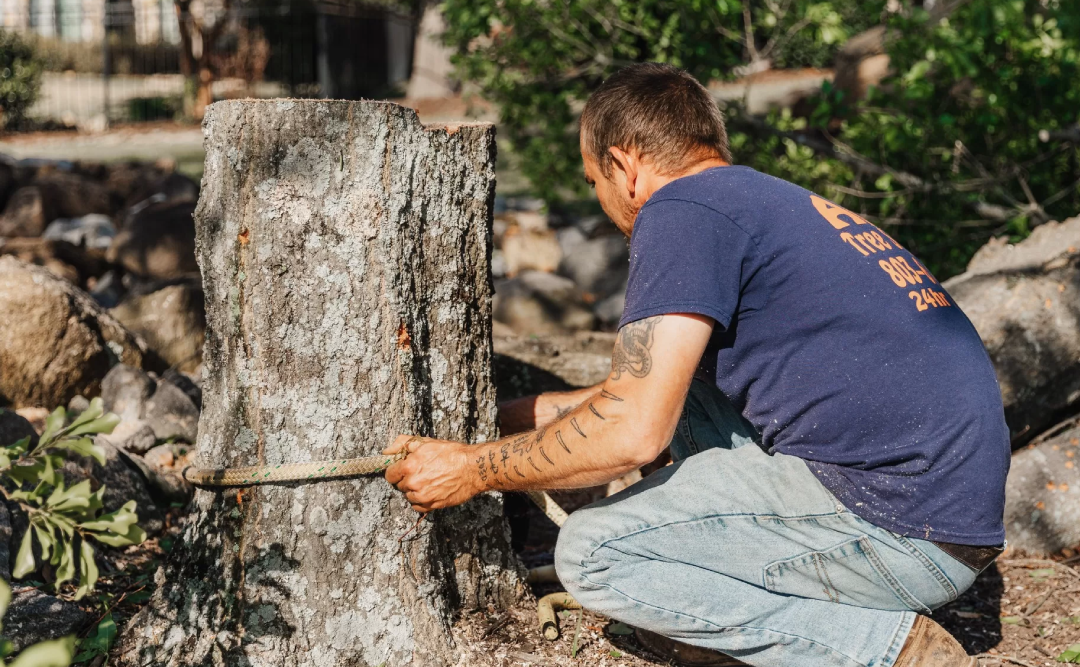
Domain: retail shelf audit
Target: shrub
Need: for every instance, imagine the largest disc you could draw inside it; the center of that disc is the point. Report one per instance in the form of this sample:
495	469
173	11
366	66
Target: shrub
20	78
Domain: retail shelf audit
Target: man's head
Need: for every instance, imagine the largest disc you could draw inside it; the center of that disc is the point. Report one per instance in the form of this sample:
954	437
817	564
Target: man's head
647	125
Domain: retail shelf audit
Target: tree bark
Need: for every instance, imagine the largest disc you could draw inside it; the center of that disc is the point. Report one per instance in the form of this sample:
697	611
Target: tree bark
344	250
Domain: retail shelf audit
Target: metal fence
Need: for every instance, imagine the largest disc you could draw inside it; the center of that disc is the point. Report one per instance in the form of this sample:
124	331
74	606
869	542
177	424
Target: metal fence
124	61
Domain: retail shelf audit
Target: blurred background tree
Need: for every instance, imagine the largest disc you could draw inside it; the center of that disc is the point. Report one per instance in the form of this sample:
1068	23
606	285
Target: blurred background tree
969	131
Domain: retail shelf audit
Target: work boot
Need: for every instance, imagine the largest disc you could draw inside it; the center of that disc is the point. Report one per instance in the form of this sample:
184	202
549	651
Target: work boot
929	645
686	655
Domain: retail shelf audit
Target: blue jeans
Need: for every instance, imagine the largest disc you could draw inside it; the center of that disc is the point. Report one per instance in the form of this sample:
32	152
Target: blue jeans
737	550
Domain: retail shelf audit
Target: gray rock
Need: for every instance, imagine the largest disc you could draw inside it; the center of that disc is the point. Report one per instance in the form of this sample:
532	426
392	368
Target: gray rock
165	483
1042	495
172	321
14	427
90	231
541	303
123	481
125	391
158	242
526	365
187	383
55	341
598	266
78	404
610	310
171	413
133	435
1024	300
36	617
53	193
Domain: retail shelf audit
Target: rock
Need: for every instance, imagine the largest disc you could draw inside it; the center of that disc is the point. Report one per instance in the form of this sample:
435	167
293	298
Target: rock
599	266
525	249
107	290
125	391
55	341
541	303
610	310
26	213
53	193
1023	300
186	383
35	415
171	320
162	456
61	258
171	413
1042	494
15	427
135	436
132	182
35	617
5	543
165	483
90	231
123	481
535	364
158	242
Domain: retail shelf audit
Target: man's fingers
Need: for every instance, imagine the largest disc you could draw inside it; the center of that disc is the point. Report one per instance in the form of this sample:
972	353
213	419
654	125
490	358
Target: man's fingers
398	445
395	473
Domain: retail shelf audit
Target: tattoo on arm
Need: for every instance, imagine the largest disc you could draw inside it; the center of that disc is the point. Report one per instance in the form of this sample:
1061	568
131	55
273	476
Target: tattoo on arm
558	436
592	408
519	472
529	459
631	353
604	393
544	454
573	422
563	410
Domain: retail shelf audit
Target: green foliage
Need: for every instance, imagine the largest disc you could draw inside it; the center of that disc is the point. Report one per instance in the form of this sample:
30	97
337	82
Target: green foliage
539	61
54	653
64	519
99	641
956	132
20	77
963	112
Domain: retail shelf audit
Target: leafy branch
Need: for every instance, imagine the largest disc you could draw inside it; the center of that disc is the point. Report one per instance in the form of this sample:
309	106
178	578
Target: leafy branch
63	519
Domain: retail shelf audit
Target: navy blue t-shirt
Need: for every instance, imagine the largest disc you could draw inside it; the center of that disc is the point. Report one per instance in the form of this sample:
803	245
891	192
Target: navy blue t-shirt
837	344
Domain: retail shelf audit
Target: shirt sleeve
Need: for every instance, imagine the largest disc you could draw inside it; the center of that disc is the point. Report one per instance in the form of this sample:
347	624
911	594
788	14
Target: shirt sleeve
686	258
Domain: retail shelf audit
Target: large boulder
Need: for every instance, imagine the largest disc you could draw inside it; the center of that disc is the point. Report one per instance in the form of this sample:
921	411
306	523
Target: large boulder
55	341
168	406
1042	495
1024	299
172	321
53	193
35	617
527	365
130	183
61	258
158	241
541	303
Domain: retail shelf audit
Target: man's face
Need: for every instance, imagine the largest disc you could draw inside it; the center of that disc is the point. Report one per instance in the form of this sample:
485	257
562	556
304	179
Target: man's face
612	192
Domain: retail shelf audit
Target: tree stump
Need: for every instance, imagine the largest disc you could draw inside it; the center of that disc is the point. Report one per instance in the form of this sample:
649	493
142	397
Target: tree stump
345	254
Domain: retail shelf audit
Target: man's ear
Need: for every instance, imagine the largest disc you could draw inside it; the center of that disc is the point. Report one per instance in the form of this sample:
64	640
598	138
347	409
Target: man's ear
628	164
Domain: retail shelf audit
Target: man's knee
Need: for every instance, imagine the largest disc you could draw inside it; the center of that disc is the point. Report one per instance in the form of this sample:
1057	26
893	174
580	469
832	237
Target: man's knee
574	546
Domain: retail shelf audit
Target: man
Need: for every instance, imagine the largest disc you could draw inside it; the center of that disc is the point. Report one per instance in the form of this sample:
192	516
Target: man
839	440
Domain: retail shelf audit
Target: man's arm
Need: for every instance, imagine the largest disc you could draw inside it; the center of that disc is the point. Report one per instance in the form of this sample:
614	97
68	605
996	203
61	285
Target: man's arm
619	428
532	412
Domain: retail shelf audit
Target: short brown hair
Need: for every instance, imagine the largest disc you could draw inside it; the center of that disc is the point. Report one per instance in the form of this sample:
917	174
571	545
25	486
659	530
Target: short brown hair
661	111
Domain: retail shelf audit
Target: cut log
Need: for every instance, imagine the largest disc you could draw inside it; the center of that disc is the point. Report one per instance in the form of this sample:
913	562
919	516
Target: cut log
344	251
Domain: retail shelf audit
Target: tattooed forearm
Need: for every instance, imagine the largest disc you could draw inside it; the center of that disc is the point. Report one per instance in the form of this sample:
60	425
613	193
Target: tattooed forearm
631	353
546	457
558	436
592	408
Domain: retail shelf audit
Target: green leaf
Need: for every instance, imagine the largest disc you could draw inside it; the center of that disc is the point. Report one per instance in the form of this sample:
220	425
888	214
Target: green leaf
65	571
45	540
1012	620
83	447
55	653
92	412
134	535
63	499
620	629
101	640
5	597
103	424
53	423
117	522
1071	654
89	570
24	561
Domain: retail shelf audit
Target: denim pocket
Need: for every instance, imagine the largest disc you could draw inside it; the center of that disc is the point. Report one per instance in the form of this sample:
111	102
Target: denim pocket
849	573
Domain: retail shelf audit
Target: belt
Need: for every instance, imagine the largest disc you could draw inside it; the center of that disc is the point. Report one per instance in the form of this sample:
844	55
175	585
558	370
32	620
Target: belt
977	558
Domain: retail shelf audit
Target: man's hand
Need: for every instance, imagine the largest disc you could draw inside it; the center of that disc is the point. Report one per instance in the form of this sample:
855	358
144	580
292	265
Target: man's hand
435	474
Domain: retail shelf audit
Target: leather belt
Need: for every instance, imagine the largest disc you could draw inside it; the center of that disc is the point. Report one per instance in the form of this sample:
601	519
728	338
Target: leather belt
977	558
